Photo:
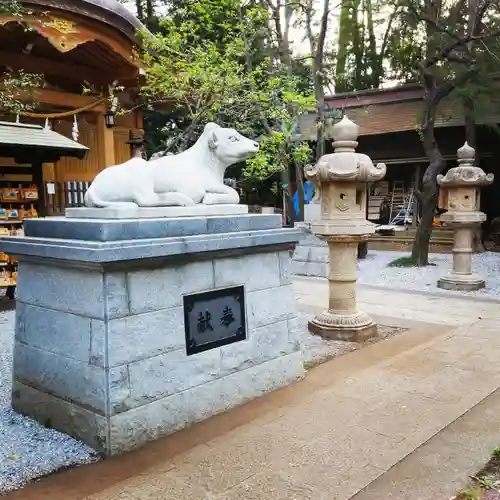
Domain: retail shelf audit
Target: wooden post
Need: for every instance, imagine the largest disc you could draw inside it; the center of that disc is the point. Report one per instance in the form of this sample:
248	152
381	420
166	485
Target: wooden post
106	139
37	176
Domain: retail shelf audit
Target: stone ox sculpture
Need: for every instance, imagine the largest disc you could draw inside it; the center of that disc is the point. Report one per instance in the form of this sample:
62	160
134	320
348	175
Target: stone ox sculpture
189	178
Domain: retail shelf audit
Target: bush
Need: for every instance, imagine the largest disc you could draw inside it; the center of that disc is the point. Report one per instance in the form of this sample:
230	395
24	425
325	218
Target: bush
402	262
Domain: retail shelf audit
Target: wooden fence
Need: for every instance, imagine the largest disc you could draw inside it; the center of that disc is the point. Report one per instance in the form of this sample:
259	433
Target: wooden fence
62	195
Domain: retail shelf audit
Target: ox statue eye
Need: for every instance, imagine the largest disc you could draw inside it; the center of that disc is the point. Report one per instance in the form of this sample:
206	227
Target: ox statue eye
233	138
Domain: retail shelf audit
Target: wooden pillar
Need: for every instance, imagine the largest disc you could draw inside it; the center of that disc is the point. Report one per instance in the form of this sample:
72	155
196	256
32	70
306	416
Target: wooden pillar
37	167
49	172
106	139
139	122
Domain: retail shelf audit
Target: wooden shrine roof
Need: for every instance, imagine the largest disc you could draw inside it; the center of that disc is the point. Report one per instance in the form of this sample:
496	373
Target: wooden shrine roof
25	140
384	111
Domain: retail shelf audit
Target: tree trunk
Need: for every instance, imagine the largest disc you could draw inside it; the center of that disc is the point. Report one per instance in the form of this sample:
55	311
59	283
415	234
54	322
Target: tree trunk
420	248
343	46
285	181
362	250
428	197
470	137
470	122
372	75
140	9
320	99
149	10
358	45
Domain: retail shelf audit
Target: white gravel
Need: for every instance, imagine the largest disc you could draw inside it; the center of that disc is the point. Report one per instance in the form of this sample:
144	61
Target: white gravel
374	271
28	450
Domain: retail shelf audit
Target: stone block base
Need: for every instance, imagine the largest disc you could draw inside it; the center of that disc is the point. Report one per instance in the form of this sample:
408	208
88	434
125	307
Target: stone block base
461	283
130	429
310	257
100	346
350	328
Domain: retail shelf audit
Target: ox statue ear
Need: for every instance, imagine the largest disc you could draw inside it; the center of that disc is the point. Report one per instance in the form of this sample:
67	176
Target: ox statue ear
211	126
213	142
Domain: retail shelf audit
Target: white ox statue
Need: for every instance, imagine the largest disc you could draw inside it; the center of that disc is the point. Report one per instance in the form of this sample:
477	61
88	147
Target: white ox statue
191	177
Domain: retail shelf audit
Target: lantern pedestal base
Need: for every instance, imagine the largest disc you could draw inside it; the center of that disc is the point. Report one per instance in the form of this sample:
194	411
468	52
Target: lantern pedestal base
354	327
462	283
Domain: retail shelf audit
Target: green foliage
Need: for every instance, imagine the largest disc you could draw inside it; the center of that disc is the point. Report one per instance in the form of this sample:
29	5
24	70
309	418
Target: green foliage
208	63
471	493
10	8
17	91
278	151
402	262
486	481
17	87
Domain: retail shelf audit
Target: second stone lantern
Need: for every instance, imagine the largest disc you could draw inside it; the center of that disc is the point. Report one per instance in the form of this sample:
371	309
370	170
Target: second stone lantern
464	216
342	177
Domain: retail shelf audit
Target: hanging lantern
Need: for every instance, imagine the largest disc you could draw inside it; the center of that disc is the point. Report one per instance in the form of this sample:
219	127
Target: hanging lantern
109	119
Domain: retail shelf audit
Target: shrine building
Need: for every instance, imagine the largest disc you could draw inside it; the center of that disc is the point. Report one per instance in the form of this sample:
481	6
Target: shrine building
84	51
389	133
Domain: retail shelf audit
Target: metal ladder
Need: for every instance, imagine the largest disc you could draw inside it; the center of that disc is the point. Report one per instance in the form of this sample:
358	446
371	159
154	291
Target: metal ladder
406	211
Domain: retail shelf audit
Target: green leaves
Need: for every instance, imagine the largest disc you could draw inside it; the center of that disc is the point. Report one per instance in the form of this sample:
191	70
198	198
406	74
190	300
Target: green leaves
17	91
10	8
209	64
277	152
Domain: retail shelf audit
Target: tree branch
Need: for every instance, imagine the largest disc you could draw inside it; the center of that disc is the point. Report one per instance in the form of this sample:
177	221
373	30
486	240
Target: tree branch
446	88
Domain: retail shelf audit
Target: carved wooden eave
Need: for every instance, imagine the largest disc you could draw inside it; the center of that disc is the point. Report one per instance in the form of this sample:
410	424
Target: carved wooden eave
66	33
110	13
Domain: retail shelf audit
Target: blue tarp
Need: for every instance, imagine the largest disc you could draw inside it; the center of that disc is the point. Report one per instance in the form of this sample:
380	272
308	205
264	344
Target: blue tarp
308	196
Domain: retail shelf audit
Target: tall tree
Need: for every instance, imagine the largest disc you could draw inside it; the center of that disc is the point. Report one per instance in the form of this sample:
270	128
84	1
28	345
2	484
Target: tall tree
317	47
207	64
366	28
450	62
313	20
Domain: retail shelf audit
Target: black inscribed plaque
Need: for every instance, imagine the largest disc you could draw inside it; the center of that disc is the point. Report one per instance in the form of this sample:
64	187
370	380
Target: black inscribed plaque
215	318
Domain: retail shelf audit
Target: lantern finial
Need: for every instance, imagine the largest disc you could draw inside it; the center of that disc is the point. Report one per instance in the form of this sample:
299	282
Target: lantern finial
466	154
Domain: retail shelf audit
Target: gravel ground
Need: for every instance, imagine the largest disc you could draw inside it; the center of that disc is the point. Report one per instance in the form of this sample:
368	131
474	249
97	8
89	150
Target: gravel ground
374	271
28	450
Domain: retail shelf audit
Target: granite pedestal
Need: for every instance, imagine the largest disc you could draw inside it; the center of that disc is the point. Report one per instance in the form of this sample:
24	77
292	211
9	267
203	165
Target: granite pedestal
100	347
310	257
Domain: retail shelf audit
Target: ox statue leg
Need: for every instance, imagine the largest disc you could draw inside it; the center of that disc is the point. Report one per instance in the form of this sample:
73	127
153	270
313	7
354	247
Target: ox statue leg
175	199
221	195
163	200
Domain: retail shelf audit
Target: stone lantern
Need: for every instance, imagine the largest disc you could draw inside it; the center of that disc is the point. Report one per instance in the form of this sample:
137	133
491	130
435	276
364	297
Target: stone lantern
342	176
462	184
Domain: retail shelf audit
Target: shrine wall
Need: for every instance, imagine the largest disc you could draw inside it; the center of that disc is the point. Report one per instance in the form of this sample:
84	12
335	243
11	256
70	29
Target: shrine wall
72	169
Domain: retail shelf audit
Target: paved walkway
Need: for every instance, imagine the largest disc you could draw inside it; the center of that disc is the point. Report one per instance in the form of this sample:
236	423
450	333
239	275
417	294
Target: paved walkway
344	428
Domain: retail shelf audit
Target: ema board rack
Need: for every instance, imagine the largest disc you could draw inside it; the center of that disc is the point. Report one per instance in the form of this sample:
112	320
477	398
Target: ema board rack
16	205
